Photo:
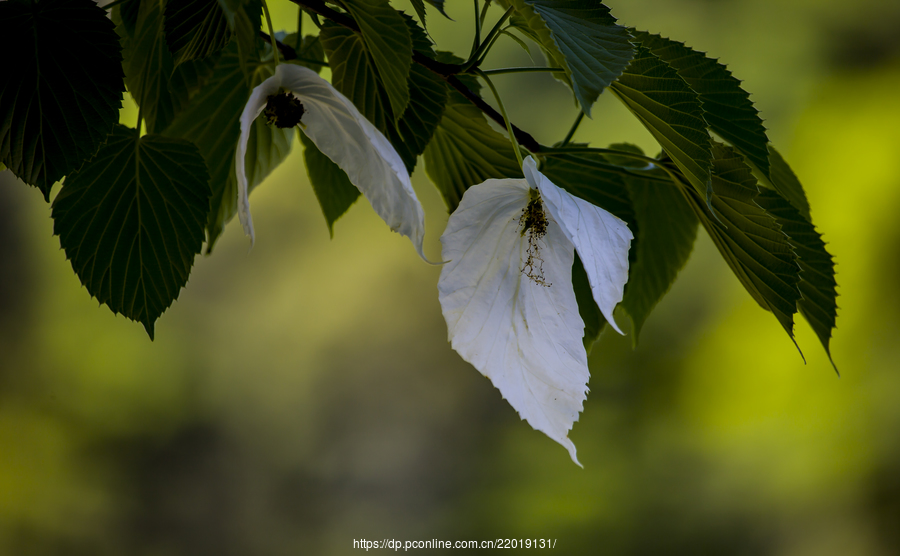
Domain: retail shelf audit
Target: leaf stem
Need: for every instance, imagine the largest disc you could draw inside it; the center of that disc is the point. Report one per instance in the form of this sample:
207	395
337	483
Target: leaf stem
477	40
651	162
271	31
512	136
526	69
299	29
573	129
488	41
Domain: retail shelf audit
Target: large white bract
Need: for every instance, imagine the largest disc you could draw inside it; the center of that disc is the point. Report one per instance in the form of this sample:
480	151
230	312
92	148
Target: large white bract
337	128
507	294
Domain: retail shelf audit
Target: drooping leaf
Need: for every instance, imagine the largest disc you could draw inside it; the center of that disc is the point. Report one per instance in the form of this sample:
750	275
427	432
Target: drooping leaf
665	104
750	239
62	87
211	121
727	107
331	185
817	284
195	28
465	150
783	180
387	40
131	221
581	37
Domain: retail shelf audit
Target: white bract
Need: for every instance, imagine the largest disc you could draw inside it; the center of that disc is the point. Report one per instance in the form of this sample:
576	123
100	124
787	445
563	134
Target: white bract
507	293
337	128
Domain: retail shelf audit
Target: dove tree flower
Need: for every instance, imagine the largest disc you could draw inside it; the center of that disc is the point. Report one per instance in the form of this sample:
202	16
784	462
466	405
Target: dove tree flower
296	95
507	294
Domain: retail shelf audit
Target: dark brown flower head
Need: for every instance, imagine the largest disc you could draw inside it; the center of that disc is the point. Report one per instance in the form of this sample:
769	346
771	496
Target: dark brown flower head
283	110
534	223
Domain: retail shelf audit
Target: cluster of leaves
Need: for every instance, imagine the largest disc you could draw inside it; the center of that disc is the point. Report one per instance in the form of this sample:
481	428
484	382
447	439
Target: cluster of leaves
136	207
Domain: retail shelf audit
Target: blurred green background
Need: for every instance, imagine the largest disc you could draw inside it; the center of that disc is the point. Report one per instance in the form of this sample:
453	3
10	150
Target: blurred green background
303	394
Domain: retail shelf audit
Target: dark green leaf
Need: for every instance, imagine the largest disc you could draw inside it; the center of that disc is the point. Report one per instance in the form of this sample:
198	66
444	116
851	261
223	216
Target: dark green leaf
62	87
594	321
331	185
668	228
148	69
247	21
388	41
352	73
727	107
195	28
465	151
419	6
439	4
671	111
749	238
581	37
428	95
131	221
212	123
355	77
817	284
786	183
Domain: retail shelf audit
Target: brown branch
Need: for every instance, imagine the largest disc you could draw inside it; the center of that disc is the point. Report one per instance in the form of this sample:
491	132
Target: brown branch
446	71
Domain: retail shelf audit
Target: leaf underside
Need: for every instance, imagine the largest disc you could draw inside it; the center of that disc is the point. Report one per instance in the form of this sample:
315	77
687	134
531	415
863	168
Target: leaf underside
62	87
131	221
727	107
671	111
750	239
583	38
817	283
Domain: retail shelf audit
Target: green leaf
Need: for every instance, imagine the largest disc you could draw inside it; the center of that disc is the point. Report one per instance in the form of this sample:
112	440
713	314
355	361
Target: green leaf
428	96
783	180
354	76
387	40
817	284
465	151
195	28
148	69
581	37
62	87
727	107
352	73
749	238
668	228
671	112
212	123
587	307
419	6
131	221
331	185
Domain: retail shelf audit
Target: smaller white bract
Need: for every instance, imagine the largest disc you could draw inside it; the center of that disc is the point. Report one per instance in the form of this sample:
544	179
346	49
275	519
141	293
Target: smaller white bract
337	128
507	293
